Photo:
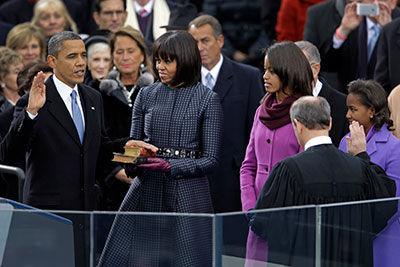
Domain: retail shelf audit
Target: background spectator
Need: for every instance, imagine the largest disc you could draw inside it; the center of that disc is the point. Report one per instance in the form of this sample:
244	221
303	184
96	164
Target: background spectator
132	71
18	11
52	17
109	15
11	63
387	72
98	60
291	19
148	16
336	100
244	37
28	41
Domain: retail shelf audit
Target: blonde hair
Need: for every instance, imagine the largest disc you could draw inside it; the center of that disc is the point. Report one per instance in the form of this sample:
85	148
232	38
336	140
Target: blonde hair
41	6
8	57
22	33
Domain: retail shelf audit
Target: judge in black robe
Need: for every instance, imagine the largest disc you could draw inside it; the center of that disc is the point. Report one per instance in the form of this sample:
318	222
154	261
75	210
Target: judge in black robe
320	175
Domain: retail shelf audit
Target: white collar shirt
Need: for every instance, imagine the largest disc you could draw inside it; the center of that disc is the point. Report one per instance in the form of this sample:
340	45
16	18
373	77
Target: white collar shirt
319	140
148	7
214	72
65	93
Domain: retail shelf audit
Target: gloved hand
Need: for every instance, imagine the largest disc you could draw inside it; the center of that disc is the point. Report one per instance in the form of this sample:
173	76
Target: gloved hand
156	164
130	169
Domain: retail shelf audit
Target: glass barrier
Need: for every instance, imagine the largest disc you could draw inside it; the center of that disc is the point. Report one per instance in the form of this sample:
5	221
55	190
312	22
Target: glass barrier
357	233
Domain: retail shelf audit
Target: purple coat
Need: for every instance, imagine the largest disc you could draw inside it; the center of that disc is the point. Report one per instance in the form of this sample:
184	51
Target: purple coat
384	149
266	148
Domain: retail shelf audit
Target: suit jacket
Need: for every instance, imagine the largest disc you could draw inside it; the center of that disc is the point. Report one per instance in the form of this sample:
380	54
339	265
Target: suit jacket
60	171
387	72
350	60
240	91
347	232
337	102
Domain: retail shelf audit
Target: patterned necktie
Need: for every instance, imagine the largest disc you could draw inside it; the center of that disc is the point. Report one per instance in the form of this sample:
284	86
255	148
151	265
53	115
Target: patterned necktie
209	83
372	40
77	116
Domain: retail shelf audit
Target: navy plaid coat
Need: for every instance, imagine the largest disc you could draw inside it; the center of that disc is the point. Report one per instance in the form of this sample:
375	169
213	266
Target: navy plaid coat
185	118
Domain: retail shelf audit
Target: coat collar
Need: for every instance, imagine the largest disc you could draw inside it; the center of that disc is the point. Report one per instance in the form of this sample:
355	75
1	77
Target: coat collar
381	136
224	81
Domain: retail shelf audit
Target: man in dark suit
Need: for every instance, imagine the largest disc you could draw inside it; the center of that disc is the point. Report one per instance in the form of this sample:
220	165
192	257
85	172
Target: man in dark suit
240	89
347	43
387	71
59	127
336	100
347	231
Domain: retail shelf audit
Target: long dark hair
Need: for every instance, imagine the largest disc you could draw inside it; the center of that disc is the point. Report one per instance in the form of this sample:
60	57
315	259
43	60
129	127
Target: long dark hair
372	95
292	67
179	46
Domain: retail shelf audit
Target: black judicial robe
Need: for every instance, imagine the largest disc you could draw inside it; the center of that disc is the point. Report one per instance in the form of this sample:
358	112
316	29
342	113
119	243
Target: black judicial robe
322	174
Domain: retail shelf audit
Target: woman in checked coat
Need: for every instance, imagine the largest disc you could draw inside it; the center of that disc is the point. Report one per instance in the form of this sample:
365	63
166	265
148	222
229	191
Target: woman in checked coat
177	113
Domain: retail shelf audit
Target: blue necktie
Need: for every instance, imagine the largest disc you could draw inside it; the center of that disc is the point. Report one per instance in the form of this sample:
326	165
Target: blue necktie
77	116
372	40
209	81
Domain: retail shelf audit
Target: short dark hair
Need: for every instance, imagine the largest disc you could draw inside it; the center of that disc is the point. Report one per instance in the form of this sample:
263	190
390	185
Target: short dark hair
179	46
55	43
291	66
313	112
372	95
97	5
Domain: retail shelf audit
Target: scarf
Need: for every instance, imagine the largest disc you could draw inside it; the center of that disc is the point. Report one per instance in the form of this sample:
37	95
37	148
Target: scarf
275	115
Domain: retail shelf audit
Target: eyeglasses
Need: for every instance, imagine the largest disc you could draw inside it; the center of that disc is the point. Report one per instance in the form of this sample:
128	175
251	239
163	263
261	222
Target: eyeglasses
111	13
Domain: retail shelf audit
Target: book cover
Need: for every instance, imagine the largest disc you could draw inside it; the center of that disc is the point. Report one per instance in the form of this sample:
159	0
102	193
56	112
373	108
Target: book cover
123	158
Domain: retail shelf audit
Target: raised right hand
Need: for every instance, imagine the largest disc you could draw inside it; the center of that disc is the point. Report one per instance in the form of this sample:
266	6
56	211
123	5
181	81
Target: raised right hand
356	142
37	94
350	19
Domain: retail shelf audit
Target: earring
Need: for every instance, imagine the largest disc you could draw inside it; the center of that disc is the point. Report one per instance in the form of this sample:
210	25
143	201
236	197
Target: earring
3	85
371	117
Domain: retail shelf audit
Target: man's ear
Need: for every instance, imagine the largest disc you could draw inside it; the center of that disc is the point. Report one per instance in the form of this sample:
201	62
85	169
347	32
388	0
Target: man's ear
298	125
220	41
51	60
96	17
330	123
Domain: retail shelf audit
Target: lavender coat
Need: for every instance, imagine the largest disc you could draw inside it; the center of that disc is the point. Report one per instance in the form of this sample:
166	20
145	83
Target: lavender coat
384	150
266	148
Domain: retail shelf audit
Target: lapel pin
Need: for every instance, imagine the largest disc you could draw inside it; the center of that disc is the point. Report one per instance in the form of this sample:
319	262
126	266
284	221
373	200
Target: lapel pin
93	108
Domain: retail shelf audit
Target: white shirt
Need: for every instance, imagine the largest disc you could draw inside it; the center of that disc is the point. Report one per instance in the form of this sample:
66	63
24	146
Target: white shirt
319	140
317	88
148	7
337	43
214	72
65	92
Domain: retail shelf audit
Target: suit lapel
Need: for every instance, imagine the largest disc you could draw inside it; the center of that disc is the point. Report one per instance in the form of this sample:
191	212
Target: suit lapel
59	111
224	81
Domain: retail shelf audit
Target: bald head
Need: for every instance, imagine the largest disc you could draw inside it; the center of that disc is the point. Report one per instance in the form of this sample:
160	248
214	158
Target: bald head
312	112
